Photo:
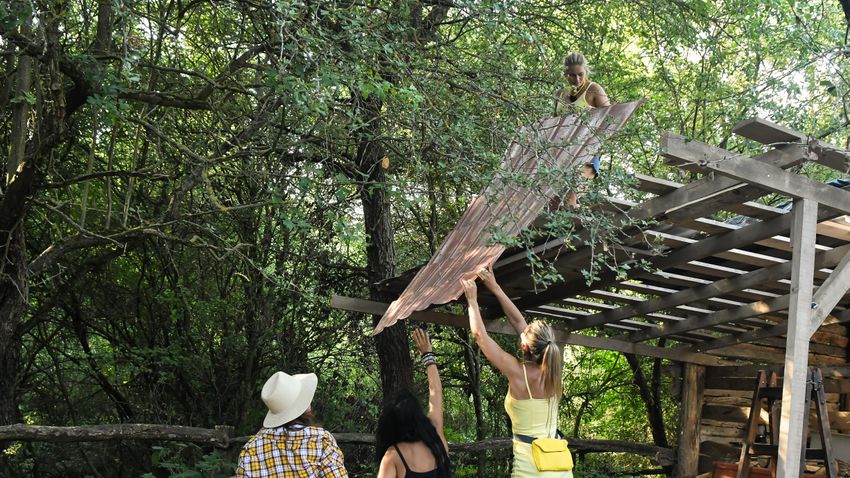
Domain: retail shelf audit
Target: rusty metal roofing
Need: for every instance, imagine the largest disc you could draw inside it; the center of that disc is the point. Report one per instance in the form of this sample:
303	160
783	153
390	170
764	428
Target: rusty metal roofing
507	206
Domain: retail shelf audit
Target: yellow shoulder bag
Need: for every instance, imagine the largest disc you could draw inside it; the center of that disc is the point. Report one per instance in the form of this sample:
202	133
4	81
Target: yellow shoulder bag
551	454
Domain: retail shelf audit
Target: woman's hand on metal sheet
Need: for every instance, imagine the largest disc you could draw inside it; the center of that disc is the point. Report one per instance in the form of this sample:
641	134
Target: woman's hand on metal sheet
423	342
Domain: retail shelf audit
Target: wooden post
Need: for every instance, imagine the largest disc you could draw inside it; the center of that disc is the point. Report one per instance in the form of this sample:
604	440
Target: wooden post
687	451
803	240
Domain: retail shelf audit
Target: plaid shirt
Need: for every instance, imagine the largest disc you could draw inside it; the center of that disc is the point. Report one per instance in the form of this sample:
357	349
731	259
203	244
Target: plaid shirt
294	452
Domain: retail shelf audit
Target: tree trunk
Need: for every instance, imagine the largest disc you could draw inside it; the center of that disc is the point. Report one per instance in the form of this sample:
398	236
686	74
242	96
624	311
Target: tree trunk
14	205
13	300
651	402
20	109
14	289
392	344
473	370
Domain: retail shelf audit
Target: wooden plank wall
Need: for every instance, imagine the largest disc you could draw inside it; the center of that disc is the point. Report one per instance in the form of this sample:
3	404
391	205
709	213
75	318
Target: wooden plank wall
729	390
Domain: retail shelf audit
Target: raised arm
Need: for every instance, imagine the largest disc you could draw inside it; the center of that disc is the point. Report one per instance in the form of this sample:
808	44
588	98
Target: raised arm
502	360
514	315
435	385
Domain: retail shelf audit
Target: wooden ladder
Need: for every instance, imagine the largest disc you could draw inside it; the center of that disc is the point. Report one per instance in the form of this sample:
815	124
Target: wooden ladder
767	389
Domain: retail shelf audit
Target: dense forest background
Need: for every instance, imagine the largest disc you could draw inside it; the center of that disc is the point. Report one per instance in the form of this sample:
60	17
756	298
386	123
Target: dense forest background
187	182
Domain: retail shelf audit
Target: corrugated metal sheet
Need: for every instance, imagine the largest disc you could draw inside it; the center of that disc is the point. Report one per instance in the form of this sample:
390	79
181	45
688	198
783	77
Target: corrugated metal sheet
559	142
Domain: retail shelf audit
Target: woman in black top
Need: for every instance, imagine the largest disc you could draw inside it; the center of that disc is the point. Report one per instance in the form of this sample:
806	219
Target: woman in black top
410	444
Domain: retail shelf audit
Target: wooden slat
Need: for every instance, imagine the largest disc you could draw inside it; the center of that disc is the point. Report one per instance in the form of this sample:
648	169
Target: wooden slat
767	132
777	330
749	310
694	251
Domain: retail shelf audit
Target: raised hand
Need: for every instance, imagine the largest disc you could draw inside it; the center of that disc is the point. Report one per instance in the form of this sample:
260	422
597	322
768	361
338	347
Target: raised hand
487	277
423	342
469	289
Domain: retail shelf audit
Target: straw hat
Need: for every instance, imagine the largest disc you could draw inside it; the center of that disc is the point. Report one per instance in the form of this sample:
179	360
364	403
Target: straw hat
287	397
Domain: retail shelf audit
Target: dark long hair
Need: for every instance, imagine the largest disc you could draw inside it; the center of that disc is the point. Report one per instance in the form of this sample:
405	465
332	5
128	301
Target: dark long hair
404	421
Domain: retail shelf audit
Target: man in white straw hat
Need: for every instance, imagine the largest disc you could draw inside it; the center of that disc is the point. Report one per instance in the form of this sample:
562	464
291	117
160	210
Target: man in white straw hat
290	444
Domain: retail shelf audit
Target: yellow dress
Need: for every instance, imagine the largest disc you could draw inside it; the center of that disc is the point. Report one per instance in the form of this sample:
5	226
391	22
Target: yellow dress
535	417
564	106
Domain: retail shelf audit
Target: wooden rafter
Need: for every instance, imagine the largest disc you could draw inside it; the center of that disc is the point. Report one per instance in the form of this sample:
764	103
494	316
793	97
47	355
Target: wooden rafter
749	170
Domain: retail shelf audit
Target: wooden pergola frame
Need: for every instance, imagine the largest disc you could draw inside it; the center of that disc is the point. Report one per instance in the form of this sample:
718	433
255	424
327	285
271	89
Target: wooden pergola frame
722	292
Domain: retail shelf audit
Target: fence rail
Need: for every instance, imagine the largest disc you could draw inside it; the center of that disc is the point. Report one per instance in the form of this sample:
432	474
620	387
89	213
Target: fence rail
222	437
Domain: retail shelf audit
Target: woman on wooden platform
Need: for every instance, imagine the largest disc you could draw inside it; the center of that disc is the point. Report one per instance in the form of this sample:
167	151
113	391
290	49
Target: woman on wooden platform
534	382
579	93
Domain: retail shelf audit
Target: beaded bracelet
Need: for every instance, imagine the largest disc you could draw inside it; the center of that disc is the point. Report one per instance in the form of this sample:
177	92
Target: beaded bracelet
428	358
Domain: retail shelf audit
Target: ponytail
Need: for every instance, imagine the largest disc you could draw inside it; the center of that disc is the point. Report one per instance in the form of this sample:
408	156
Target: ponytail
551	367
545	352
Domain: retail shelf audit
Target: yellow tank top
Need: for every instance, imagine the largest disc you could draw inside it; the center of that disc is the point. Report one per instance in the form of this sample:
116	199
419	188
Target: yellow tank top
535	417
564	106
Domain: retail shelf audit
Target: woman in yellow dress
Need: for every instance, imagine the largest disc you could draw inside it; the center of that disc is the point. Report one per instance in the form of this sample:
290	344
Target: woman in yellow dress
579	93
534	383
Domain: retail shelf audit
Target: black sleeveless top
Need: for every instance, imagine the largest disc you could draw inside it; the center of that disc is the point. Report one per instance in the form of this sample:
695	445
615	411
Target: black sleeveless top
414	474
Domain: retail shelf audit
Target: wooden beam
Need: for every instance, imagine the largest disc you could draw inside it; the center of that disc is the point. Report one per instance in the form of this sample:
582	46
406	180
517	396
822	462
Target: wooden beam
732	254
830	293
755	172
750	209
561	335
689	422
791	447
570	316
831	156
768	132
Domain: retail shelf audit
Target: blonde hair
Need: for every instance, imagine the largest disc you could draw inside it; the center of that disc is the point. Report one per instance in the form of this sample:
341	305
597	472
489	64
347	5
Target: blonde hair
544	351
576	58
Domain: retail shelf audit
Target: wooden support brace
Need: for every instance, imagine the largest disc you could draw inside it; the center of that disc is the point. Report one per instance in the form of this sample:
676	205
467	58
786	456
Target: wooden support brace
829	293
